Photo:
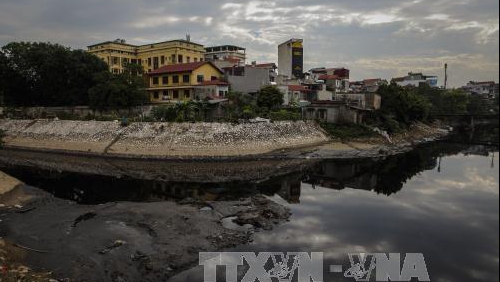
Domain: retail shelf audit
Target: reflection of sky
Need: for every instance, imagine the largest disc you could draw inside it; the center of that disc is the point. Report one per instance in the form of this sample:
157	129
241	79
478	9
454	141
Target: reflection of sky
452	217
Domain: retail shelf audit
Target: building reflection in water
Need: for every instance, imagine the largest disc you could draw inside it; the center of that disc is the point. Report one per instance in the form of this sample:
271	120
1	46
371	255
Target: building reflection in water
385	176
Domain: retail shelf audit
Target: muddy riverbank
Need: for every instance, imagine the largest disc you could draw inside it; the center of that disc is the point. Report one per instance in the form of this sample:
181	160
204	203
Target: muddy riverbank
121	241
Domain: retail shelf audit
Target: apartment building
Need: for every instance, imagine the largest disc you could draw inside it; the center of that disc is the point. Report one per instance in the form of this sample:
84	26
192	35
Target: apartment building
117	54
176	82
291	58
230	53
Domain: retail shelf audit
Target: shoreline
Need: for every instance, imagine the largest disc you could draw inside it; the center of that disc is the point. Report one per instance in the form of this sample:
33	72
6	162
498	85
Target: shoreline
289	146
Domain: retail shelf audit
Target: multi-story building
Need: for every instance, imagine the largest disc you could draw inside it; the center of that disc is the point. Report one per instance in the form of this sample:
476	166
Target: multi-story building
486	88
250	78
415	79
291	58
151	56
226	53
172	83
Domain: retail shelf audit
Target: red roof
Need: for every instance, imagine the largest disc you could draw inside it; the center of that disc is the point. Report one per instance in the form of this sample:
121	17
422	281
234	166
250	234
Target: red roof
214	82
297	88
176	68
482	82
266	65
371	80
327	77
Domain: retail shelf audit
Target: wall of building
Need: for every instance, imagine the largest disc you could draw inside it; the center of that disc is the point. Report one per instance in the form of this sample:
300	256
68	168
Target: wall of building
151	56
171	92
291	58
251	82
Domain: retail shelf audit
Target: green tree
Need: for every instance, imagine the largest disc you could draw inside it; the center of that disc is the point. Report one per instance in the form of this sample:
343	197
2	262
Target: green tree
241	105
449	101
270	97
403	105
46	74
117	91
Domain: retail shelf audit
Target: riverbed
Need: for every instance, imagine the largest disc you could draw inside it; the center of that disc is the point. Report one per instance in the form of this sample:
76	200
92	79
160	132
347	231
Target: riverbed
440	199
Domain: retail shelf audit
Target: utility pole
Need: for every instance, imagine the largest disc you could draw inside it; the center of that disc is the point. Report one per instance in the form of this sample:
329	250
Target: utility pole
445	75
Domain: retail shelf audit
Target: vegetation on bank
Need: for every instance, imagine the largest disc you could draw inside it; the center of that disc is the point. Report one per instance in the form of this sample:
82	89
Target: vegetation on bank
348	131
403	106
45	74
2	135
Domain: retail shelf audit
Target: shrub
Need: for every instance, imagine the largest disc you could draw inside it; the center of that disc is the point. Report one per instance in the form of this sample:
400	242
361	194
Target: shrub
166	113
2	135
348	131
285	115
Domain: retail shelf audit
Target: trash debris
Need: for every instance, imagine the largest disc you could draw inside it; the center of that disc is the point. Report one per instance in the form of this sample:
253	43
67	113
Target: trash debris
83	217
116	244
29	249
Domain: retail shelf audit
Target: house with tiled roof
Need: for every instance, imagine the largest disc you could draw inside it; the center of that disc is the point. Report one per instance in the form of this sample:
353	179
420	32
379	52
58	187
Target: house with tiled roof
178	82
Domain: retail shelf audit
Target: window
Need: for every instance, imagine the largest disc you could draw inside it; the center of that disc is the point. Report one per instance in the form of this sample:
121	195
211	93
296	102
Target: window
188	59
155	95
187	93
212	78
175	94
179	59
162	60
200	78
149	62
115	60
195	60
164	80
185	78
155	80
155	63
175	79
173	58
221	93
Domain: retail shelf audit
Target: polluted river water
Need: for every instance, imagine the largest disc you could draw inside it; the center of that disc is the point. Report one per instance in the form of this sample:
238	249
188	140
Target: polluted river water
441	200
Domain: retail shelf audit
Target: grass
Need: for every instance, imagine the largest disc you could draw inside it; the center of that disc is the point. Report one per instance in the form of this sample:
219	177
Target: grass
348	131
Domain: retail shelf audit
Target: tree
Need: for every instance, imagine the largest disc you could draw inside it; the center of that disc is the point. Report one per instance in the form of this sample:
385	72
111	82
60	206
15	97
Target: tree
270	97
449	101
403	105
117	91
45	74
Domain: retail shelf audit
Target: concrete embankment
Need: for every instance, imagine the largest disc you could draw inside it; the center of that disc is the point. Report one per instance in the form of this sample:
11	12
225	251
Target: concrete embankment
160	139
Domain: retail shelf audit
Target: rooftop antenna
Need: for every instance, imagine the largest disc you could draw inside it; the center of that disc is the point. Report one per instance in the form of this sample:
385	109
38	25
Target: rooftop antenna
445	75
188	37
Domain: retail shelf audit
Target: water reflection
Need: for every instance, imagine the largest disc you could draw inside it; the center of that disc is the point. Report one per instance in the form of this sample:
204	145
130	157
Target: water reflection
385	176
451	215
440	200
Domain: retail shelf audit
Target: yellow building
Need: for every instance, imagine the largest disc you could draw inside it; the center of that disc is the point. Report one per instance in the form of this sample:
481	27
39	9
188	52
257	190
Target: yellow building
151	56
177	82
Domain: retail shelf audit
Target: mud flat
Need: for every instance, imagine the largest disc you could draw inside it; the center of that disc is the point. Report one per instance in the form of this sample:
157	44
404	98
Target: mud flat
121	241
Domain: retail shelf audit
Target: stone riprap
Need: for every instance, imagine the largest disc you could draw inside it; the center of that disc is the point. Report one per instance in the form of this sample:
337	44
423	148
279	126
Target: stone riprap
161	138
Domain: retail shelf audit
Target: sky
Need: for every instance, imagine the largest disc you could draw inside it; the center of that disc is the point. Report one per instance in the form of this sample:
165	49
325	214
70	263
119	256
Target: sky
373	38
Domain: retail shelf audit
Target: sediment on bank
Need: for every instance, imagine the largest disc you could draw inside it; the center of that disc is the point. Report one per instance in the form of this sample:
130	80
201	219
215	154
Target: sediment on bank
160	138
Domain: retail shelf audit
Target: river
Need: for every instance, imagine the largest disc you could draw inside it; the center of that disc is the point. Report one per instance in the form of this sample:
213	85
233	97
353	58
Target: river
441	200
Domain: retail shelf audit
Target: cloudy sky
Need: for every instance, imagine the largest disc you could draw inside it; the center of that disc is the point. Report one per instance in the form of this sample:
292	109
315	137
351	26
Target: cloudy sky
374	38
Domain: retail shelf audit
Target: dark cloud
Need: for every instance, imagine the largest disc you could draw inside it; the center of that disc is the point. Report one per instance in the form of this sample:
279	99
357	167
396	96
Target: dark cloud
382	38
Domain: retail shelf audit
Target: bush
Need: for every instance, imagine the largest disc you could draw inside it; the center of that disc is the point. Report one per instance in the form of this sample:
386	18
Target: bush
285	115
180	117
2	135
348	131
166	113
